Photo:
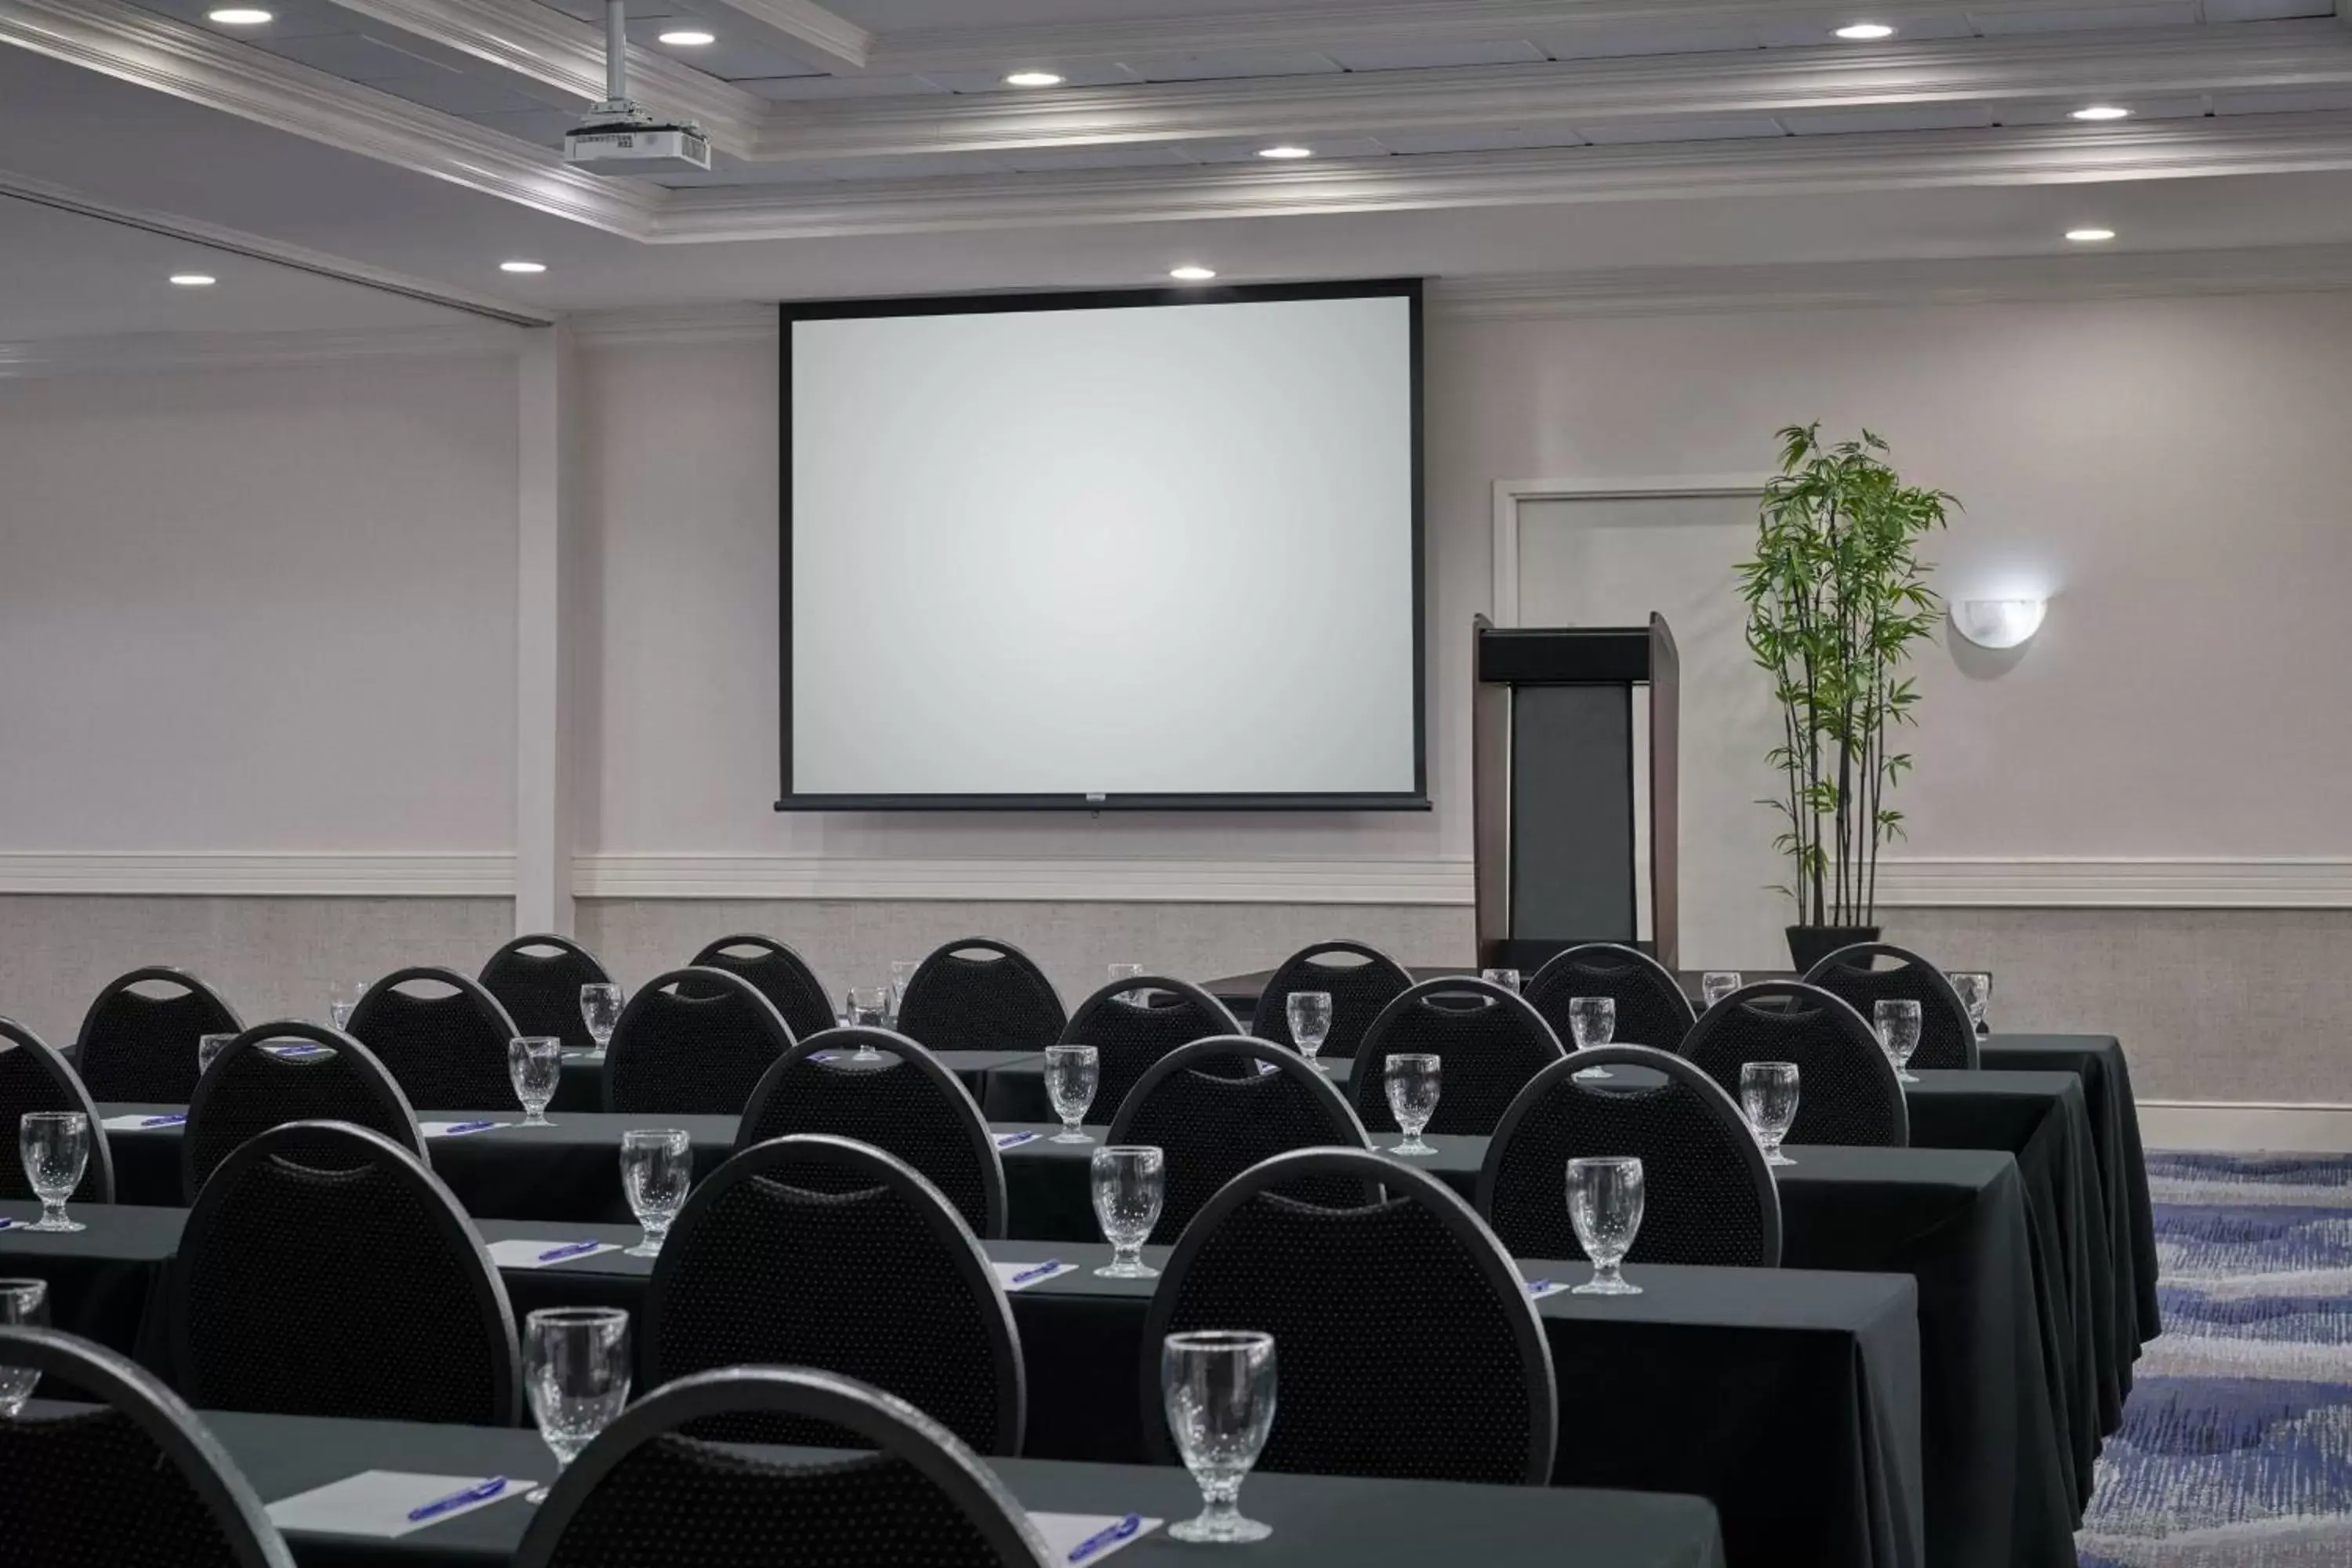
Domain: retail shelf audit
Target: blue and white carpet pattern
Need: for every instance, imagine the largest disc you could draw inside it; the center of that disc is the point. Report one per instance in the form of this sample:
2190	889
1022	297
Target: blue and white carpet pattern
2236	1446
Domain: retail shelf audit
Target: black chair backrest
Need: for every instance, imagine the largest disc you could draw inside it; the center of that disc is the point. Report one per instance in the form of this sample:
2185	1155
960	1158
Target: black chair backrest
1404	1342
356	1290
817	1251
140	1048
645	1494
1650	1007
781	975
1132	1023
692	1042
136	1480
250	1088
906	1104
1846	1088
537	979
33	1077
446	1053
1488	1040
1358	991
979	995
1219	1106
1707	1194
1946	1037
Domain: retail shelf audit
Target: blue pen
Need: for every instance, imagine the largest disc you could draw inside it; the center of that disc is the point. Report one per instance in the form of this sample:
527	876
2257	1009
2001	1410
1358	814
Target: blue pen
441	1505
1538	1286
1112	1536
1015	1140
569	1249
1036	1271
4	1223
456	1127
172	1120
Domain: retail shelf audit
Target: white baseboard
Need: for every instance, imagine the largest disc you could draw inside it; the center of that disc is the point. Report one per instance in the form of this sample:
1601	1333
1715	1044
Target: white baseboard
1068	880
2277	883
259	876
2230	1127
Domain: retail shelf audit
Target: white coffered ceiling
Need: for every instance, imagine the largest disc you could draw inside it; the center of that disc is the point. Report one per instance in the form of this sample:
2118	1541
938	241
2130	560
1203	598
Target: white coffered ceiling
867	145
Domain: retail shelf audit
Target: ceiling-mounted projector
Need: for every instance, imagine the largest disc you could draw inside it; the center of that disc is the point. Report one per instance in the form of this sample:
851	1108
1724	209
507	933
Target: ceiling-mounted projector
618	136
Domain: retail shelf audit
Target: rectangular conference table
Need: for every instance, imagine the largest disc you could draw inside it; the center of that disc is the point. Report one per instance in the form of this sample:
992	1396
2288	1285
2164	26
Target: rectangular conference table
1319	1521
1787	1398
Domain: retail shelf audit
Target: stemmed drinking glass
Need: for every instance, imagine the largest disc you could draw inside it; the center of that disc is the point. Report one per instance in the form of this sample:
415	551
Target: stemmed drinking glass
1130	1180
25	1303
1975	987
1718	983
208	1050
576	1371
1508	979
1592	1021
656	1169
534	1063
1605	1204
1309	1014
1071	1074
55	1146
600	1009
1413	1080
870	1008
342	1000
1897	1023
1218	1393
1768	1093
1126	972
902	970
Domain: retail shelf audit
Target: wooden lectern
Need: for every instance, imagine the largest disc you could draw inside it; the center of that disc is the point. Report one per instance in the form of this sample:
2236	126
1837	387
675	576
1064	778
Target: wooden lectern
1573	771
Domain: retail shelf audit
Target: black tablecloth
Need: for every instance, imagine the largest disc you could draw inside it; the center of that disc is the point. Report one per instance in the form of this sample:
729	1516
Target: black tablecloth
1319	1521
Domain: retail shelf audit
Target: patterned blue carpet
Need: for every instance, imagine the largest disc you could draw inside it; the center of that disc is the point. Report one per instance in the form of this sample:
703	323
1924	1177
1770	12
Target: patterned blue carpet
2236	1446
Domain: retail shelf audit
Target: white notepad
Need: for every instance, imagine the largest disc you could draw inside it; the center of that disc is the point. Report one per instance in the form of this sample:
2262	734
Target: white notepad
149	1121
524	1253
1005	1273
1064	1534
377	1503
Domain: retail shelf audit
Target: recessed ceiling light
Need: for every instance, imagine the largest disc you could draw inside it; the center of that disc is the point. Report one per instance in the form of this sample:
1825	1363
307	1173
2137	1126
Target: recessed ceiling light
690	38
2090	235
1285	150
1192	274
522	266
194	280
238	16
1033	78
2102	112
1863	32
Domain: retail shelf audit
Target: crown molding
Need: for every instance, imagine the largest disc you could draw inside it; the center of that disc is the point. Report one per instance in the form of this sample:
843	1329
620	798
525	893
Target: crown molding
2134	884
2289	55
720	322
831	39
151	351
164	56
1697	291
254	875
1072	880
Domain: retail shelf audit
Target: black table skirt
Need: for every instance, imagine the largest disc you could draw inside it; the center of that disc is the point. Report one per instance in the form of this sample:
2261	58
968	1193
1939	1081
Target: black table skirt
1319	1521
580	1086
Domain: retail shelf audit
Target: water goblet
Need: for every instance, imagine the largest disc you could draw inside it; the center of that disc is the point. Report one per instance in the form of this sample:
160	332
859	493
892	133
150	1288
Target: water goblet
1592	1021
1071	1074
1508	979
576	1371
870	1008
1126	972
1768	1093
534	1063
1130	1180
1218	1390
1604	1205
208	1050
342	1000
1718	983
1413	1080
55	1147
1897	1023
1310	1016
902	970
657	1169
600	1009
25	1303
1975	987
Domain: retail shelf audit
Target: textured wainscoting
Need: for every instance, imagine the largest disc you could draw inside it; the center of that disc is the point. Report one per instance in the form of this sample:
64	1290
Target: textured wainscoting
854	941
272	957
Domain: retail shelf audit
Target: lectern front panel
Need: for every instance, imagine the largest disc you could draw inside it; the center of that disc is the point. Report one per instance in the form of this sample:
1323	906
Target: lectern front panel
1572	814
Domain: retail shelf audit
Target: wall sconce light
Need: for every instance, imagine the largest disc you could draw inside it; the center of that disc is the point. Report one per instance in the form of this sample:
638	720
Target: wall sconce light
1997	623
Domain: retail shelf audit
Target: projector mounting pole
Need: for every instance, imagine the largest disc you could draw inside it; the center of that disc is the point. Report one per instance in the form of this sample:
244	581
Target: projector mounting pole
616	50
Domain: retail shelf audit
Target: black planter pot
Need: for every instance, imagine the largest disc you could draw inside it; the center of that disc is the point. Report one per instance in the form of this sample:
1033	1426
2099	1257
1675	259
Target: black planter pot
1810	944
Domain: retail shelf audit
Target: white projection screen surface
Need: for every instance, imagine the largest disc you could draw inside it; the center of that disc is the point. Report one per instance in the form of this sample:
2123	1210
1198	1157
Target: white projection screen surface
1105	550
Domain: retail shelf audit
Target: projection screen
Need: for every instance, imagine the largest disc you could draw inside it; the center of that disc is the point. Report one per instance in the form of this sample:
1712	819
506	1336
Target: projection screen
1102	550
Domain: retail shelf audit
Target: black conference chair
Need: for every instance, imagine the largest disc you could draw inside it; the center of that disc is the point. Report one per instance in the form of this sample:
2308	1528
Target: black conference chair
817	1251
359	1289
250	1088
1357	990
1219	1106
648	1495
979	995
446	1051
1946	1037
1846	1088
1404	1341
33	1077
143	1047
1132	1023
1709	1197
537	979
1650	1007
906	1104
1488	1040
136	1481
692	1042
779	974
